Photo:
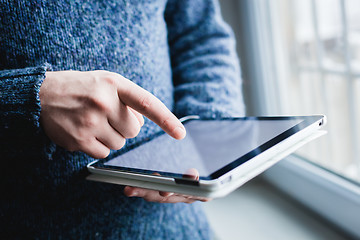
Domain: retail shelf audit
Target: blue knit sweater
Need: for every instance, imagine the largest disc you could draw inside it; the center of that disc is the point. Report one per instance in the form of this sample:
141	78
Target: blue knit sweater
180	50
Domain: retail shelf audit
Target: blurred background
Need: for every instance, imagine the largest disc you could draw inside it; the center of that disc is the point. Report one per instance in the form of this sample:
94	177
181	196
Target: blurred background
299	57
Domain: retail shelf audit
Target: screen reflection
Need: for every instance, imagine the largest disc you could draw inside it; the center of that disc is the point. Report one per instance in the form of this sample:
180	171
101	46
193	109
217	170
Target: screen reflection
209	146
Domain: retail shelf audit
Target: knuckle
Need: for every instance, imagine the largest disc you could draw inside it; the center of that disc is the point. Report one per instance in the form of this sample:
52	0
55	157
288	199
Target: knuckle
99	101
105	107
104	76
100	98
109	79
90	120
165	122
146	103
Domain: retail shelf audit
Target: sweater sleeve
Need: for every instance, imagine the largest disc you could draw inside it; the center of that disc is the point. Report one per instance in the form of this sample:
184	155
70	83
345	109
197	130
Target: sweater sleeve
206	72
20	131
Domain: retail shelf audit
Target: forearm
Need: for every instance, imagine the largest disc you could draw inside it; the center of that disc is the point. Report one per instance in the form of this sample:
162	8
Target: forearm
206	70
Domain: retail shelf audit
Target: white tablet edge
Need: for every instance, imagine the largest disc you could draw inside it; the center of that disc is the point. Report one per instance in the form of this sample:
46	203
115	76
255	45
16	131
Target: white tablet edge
225	189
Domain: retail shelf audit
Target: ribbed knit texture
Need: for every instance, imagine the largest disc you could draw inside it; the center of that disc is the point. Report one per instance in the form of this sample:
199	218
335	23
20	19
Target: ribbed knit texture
181	51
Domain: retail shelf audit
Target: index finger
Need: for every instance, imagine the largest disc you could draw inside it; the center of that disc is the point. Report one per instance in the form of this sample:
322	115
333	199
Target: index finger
150	106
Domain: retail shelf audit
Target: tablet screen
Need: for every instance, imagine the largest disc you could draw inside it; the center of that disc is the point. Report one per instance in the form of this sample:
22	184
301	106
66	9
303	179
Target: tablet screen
212	147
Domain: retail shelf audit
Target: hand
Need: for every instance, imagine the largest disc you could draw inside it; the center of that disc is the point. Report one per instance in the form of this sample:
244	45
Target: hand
96	111
161	197
165	197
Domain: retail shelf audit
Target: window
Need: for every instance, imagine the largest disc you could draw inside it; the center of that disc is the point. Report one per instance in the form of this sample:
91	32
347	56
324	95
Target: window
301	58
323	39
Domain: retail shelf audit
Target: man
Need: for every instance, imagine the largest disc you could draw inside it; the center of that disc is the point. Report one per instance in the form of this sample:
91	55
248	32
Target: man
76	78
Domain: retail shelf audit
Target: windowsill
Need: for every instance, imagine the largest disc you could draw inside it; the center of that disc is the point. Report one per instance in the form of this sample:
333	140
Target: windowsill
257	211
334	198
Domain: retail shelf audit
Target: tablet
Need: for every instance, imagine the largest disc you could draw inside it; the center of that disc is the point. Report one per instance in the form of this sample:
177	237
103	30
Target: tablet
216	156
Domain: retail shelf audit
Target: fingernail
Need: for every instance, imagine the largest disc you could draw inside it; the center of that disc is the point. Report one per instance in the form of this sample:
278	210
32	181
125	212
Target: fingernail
134	194
180	132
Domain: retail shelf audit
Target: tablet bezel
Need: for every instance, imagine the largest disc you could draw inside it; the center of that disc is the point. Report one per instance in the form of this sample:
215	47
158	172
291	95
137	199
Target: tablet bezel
306	121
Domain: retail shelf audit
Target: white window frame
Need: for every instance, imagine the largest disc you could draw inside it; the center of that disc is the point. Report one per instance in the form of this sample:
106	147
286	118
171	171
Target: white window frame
331	196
